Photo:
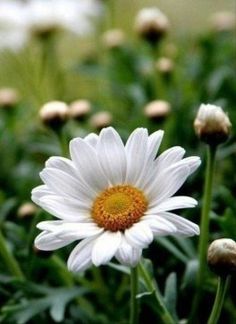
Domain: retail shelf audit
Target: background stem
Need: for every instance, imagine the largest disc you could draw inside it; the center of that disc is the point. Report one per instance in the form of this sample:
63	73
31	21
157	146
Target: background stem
204	229
219	299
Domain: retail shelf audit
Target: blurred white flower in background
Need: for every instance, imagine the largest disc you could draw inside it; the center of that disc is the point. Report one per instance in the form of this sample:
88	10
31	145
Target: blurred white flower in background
72	15
21	20
13	30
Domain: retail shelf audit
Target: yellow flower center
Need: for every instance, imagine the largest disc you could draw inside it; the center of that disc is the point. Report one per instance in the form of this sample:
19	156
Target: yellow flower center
119	207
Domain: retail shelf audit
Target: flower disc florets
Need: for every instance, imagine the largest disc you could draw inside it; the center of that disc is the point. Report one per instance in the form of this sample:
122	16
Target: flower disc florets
118	208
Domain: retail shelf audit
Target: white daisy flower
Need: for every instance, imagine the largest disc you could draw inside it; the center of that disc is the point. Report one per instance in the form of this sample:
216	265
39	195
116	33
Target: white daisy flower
114	198
72	15
20	20
13	31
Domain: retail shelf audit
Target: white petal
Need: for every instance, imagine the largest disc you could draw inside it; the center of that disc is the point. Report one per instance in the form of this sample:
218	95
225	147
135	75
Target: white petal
65	184
80	258
47	241
184	226
62	164
172	203
193	163
39	192
92	139
65	208
105	247
111	154
70	231
136	150
169	157
159	225
167	183
165	160
85	159
127	254
139	235
154	141
68	167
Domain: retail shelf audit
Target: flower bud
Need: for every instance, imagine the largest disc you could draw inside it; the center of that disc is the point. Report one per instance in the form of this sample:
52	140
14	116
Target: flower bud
54	114
223	21
113	38
221	257
157	110
44	32
151	24
9	97
212	125
79	109
27	210
164	65
101	119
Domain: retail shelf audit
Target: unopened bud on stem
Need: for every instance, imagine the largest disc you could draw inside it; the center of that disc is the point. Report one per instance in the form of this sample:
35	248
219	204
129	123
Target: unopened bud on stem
157	110
79	109
9	97
221	257
212	125
151	24
114	38
27	210
101	119
54	114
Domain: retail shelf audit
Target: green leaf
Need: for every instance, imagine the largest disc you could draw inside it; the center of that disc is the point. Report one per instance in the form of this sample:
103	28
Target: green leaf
186	245
6	207
228	223
144	294
56	302
171	247
119	267
189	277
170	294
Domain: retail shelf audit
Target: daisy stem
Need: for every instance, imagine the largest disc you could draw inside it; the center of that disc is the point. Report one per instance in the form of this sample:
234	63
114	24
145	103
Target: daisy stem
151	285
204	226
204	229
62	137
9	259
219	299
134	300
111	18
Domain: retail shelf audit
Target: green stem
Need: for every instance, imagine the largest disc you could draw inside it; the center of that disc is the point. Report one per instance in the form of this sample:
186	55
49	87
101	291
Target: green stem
9	259
62	138
219	299
163	311
32	231
133	300
204	230
111	13
50	66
